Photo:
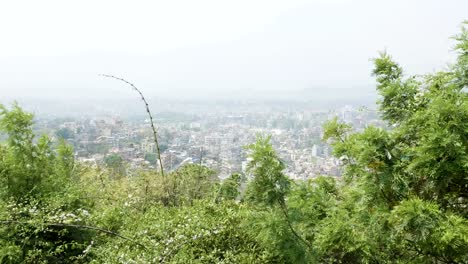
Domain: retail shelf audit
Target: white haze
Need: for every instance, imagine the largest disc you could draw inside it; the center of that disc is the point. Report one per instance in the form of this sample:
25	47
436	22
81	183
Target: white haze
217	49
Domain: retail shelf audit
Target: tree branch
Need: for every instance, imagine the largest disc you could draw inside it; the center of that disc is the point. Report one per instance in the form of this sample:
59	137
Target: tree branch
284	209
149	114
79	227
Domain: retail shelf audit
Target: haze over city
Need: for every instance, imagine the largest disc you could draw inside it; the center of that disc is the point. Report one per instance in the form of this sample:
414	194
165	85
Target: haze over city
217	50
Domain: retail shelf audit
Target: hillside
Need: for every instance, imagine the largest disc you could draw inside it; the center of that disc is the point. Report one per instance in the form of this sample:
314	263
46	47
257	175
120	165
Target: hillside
403	197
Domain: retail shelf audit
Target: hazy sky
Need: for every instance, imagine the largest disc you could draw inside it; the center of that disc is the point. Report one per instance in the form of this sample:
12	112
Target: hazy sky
217	49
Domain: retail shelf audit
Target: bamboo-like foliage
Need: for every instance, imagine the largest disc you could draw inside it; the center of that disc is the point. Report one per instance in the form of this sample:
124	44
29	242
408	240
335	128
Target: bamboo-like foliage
142	97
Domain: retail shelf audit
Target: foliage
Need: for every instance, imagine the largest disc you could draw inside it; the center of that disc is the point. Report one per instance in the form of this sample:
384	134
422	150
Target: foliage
38	195
64	133
413	177
201	233
151	158
230	187
116	164
269	185
190	183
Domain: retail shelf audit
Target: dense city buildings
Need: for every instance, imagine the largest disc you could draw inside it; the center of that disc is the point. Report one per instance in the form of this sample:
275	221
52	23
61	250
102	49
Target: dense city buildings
213	138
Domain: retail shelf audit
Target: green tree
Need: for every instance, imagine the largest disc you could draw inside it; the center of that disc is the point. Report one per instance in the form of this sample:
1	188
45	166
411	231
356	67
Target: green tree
151	158
413	177
40	208
116	164
191	182
268	189
26	164
269	185
230	187
64	133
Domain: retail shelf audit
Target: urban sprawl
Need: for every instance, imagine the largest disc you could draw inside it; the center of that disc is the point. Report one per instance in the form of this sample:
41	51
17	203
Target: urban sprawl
215	139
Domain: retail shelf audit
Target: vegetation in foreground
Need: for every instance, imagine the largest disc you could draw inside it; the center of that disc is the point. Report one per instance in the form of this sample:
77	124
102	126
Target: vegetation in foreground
402	199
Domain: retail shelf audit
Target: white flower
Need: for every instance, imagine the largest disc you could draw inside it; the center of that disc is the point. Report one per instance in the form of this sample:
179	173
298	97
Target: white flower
84	212
88	247
71	215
